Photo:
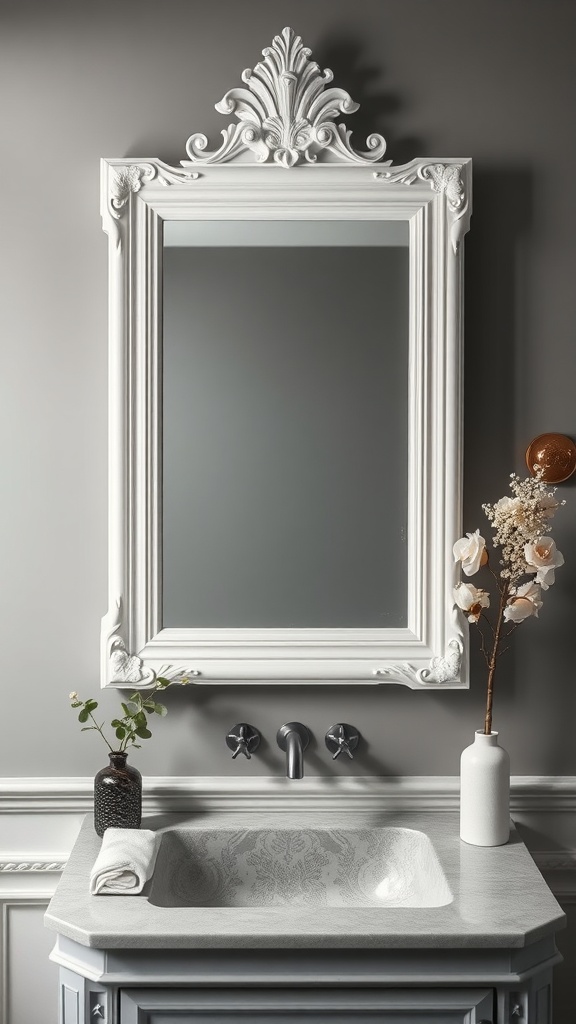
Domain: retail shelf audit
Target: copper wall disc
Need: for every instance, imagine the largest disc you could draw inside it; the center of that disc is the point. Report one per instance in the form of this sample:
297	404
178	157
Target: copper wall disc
555	454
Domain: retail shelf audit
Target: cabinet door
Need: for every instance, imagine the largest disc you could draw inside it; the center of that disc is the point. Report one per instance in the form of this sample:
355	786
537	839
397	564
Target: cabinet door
306	1006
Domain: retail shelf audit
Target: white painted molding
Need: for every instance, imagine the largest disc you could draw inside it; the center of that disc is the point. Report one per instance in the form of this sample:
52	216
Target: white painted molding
555	860
551	794
45	795
559	870
27	864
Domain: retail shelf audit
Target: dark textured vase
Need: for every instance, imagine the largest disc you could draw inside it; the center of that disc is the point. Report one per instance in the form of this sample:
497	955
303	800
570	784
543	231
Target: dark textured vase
117	795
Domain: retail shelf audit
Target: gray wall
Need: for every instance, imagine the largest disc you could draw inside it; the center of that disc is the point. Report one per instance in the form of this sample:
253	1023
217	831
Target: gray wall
492	80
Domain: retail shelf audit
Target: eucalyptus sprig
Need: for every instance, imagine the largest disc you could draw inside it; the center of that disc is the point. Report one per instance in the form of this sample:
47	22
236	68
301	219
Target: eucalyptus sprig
134	723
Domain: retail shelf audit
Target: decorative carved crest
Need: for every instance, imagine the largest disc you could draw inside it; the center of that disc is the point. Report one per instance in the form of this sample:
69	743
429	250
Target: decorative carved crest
286	112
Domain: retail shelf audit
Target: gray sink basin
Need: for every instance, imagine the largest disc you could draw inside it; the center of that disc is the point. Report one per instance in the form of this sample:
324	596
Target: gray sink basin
257	867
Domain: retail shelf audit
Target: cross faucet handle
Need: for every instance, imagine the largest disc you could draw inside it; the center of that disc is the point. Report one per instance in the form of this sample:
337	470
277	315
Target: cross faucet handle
341	738
243	739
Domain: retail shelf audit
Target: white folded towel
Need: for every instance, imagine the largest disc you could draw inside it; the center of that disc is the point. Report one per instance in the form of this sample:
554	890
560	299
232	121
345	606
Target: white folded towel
125	862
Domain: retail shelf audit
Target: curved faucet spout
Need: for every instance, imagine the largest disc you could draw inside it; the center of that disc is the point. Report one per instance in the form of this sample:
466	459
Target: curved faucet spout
294	738
294	756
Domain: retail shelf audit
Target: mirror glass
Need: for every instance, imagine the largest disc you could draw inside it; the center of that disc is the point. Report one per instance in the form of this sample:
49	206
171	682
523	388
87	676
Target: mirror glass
285	424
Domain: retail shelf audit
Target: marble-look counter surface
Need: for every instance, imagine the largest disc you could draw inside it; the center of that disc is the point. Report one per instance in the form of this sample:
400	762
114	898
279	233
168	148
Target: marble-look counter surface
500	899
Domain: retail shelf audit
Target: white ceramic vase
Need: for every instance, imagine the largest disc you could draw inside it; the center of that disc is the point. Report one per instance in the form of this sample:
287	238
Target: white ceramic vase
485	792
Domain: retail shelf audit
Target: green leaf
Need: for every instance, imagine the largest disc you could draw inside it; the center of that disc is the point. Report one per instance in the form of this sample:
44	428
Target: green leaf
91	705
120	732
140	719
83	716
162	683
76	704
133	708
125	709
160	709
137	745
143	733
89	728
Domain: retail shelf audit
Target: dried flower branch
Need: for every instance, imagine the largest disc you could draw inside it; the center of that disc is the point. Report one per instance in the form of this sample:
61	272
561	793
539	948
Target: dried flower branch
521	527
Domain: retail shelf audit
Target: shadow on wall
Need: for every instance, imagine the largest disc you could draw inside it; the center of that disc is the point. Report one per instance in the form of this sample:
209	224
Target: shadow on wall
502	215
502	205
345	58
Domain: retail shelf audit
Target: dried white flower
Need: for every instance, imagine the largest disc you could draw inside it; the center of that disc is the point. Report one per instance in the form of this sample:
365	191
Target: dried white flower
548	504
471	552
510	506
471	600
73	695
543	557
523	603
519	521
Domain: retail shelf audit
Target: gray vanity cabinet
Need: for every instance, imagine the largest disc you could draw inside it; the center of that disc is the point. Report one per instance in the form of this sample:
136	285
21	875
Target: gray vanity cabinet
286	1006
308	986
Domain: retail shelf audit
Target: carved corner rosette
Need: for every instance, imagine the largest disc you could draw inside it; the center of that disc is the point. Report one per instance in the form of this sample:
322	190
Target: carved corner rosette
447	179
127	179
122	667
286	113
442	669
446	667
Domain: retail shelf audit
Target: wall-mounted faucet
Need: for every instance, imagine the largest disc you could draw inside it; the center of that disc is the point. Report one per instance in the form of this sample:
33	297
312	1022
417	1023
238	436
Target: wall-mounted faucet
294	738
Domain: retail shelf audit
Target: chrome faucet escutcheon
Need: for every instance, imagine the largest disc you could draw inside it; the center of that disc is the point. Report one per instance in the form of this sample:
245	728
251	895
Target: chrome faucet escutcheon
293	738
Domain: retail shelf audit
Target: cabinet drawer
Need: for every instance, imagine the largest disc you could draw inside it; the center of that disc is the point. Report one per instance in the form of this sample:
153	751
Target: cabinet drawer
306	1006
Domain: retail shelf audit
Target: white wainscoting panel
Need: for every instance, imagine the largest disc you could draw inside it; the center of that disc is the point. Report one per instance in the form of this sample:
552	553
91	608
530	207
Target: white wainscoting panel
29	979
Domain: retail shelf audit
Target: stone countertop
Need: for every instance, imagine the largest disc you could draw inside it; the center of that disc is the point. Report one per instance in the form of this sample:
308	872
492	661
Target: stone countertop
500	898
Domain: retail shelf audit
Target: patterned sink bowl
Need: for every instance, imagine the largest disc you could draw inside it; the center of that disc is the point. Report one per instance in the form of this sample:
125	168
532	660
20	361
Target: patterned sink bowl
377	867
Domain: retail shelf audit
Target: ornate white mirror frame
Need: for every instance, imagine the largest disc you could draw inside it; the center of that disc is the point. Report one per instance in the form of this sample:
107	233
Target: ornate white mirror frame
285	158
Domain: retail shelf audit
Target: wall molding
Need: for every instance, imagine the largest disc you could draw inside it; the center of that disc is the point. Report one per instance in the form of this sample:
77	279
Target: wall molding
27	865
559	870
65	795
